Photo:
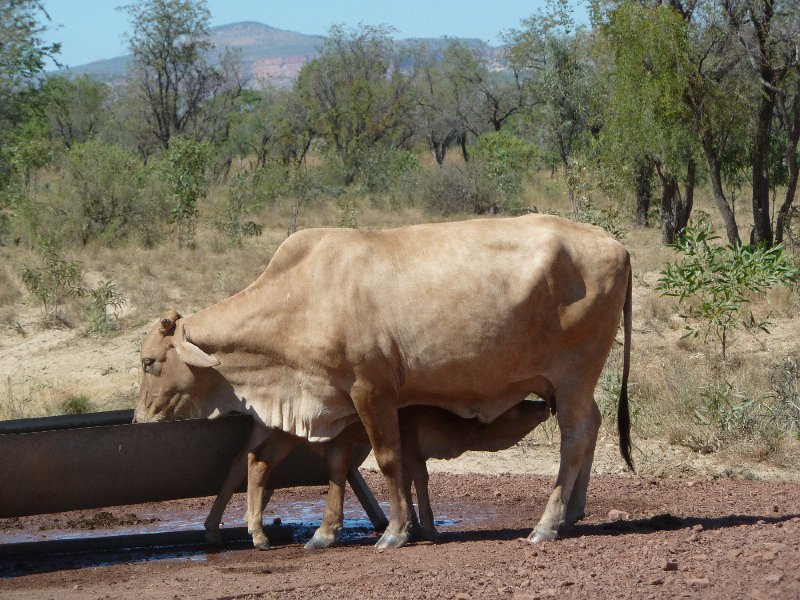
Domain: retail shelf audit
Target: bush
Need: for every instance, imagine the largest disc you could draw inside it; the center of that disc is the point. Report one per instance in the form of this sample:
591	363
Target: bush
507	158
183	168
52	283
105	195
230	221
104	303
458	188
714	284
107	181
379	171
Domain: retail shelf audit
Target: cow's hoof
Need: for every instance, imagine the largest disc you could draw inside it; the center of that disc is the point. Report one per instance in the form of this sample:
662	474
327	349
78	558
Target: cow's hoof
542	535
261	543
391	540
213	537
319	541
572	519
430	534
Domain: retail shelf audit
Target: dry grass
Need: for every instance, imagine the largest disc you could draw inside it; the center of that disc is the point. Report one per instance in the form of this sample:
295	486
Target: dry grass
671	375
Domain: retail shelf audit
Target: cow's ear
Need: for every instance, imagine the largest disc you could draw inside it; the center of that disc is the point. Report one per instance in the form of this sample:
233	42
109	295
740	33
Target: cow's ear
168	321
188	352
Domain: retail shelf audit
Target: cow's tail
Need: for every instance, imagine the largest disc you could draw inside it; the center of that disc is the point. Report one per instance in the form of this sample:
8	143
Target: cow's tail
623	415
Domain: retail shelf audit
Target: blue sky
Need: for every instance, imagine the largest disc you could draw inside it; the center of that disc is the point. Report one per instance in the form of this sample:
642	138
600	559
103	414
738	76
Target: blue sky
90	30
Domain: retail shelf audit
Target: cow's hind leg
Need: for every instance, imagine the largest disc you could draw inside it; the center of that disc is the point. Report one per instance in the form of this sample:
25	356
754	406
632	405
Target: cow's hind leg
378	412
576	508
579	421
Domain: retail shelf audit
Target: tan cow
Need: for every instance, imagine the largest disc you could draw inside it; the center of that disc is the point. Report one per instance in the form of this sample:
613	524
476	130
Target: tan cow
426	432
470	317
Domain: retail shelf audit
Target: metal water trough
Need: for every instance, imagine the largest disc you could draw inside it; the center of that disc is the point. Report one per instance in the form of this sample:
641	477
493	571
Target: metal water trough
57	464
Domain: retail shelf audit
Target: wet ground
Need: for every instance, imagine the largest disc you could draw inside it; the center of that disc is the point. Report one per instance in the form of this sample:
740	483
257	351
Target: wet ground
643	538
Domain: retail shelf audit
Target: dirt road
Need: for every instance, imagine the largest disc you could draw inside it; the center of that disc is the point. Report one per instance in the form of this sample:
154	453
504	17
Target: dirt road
642	538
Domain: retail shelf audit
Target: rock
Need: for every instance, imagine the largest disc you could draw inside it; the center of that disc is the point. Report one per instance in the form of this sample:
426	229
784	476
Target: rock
699	582
775	577
768	556
734	553
670	565
657	581
618	515
694	537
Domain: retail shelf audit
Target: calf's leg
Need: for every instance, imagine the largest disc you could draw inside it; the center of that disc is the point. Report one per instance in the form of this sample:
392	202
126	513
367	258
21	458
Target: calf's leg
235	477
260	463
338	455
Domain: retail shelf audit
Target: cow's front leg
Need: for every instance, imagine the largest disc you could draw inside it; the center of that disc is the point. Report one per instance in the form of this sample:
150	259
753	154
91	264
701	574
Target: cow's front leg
579	422
378	412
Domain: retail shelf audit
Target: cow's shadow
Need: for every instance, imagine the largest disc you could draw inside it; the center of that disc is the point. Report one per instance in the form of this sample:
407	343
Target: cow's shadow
661	522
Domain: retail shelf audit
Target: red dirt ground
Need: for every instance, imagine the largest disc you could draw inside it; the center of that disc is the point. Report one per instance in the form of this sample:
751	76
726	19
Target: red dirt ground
642	538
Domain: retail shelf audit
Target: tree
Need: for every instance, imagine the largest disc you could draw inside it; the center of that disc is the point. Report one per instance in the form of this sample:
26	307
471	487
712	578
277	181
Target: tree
768	31
170	69
646	129
696	48
437	116
77	109
551	58
22	58
357	95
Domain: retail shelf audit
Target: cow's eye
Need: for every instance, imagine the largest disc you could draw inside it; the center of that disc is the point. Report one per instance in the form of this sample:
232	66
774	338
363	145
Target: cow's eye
147	364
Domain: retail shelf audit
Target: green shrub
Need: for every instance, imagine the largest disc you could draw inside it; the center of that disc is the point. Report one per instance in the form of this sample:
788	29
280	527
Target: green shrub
56	280
105	196
714	284
183	168
104	304
380	170
106	182
230	221
507	158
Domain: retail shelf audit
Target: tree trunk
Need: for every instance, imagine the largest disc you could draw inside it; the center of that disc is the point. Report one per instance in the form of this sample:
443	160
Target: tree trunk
684	209
788	199
793	126
669	189
462	140
642	178
762	227
715	175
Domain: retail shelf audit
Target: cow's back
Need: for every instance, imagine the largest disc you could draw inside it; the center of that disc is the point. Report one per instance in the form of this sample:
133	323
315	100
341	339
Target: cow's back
472	311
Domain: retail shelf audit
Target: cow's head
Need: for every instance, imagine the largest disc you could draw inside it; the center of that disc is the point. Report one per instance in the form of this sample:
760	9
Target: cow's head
176	376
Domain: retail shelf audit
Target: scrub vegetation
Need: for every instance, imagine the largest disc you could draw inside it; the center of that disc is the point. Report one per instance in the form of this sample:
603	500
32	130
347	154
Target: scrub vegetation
671	126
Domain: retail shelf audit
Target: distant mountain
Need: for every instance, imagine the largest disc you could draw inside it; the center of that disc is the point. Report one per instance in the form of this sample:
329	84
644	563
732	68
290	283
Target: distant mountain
267	53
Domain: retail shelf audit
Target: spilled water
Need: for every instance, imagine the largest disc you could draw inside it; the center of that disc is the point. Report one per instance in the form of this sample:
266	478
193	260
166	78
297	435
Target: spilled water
304	516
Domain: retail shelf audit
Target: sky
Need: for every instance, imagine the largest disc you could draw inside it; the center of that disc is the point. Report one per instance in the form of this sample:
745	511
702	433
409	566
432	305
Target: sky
90	30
